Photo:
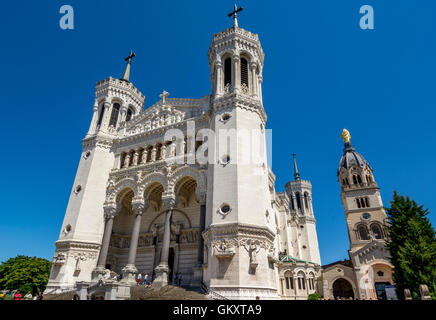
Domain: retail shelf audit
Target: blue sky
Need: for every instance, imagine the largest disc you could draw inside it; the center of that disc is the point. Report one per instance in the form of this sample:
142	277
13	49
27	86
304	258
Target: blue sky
322	73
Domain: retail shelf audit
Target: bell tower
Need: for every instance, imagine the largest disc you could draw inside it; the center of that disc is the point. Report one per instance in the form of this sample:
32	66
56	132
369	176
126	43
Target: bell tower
77	249
239	235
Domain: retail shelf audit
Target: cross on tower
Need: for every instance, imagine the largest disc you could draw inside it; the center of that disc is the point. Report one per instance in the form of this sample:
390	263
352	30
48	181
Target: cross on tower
163	96
126	75
235	15
129	58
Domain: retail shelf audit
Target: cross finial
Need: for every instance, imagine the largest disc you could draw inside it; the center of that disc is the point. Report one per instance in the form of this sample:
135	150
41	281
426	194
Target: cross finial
163	96
235	15
126	75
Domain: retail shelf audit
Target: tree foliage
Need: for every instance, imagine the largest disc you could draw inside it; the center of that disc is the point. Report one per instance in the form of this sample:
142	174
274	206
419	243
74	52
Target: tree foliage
412	246
26	274
314	296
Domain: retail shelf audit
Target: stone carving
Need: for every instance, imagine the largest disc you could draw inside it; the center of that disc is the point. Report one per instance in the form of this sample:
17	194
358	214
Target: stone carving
425	293
223	248
407	294
253	247
189	236
59	258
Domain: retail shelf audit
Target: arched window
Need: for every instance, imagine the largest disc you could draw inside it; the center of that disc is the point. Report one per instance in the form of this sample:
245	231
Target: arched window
359	178
149	151
123	159
129	114
306	200
376	231
132	153
114	115
244	72
301	281
363	232
358	203
354	179
140	155
228	72
366	202
292	204
100	118
297	197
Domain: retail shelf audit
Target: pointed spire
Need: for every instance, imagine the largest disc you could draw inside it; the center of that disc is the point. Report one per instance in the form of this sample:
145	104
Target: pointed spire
126	75
296	173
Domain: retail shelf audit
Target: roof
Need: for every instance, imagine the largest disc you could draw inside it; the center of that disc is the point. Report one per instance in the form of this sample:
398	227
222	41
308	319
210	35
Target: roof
345	262
292	259
351	158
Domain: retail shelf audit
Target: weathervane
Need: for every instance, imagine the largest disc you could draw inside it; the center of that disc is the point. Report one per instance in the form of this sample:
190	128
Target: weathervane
235	15
126	75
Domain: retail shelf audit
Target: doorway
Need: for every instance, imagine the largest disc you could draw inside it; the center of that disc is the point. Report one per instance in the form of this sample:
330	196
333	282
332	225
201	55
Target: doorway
342	289
381	290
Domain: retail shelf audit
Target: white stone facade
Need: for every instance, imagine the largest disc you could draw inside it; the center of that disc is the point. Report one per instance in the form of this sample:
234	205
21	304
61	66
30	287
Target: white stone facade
221	225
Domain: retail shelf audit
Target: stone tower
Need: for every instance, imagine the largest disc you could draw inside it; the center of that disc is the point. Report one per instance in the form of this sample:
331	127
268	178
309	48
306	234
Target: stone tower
304	236
78	246
240	233
365	218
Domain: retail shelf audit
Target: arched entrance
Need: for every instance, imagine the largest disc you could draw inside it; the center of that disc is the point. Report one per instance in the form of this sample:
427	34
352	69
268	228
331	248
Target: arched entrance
342	289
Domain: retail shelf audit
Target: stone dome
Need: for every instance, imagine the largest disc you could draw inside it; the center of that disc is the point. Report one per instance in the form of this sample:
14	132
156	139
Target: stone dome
351	158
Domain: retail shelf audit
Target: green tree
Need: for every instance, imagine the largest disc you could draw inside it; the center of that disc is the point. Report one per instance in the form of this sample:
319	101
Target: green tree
412	245
25	274
314	296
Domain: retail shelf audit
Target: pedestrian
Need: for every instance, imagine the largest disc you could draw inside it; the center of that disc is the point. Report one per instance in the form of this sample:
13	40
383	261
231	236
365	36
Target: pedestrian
180	278
17	295
76	297
175	278
28	296
145	281
139	278
40	296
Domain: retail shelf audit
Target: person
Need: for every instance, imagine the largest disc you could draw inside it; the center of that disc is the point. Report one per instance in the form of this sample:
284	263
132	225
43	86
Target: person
40	296
179	278
257	298
76	297
28	296
175	279
17	295
139	278
145	280
148	283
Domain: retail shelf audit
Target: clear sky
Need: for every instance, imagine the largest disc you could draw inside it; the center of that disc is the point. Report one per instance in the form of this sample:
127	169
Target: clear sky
322	73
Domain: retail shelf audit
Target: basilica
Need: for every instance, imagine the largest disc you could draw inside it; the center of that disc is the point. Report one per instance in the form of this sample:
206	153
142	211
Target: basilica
145	201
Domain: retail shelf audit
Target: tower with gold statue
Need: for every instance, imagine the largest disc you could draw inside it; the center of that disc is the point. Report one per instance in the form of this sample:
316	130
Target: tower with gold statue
366	221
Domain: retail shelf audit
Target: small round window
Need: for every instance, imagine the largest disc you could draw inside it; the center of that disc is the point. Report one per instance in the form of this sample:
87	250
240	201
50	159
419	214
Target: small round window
224	209
226	116
366	216
225	159
78	189
67	228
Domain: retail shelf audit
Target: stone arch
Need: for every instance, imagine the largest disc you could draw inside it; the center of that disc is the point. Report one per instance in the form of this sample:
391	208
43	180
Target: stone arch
174	210
126	183
343	288
150	179
180	173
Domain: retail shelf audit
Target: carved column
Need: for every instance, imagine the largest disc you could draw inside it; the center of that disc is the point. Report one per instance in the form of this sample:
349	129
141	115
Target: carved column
130	271
94	120
106	115
162	269
153	154
110	213
253	79
144	156
163	151
219	79
236	79
202	199
135	158
198	269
